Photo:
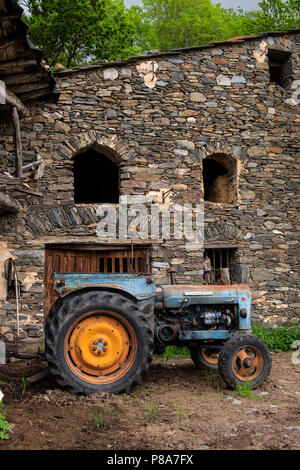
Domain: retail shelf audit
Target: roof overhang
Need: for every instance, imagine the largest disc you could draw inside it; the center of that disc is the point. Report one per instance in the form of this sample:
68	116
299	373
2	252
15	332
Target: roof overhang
21	66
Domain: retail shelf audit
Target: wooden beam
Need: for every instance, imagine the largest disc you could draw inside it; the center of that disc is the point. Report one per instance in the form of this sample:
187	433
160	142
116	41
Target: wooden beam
31	193
29	87
36	94
16	66
21	78
18	142
12	100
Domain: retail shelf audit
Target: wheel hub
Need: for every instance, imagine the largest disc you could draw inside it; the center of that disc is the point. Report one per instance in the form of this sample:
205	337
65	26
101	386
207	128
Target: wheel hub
247	363
100	345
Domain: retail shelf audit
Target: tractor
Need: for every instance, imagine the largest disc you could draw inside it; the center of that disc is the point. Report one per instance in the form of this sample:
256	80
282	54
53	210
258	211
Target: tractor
102	330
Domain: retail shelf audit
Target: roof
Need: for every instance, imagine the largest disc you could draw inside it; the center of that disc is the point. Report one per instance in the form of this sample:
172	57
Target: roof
174	52
21	66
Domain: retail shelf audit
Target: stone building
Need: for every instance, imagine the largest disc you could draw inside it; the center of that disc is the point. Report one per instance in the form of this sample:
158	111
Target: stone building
215	124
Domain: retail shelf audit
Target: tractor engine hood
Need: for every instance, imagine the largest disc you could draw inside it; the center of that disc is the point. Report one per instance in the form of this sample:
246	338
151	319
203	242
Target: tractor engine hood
178	296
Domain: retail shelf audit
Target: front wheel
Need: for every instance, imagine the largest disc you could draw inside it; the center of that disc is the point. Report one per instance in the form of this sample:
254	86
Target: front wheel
244	359
98	342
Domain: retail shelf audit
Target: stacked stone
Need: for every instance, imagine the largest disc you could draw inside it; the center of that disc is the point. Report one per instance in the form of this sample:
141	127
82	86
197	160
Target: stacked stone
161	115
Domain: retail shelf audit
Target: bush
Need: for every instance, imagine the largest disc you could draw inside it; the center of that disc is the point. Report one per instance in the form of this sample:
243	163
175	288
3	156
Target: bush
176	352
4	425
277	339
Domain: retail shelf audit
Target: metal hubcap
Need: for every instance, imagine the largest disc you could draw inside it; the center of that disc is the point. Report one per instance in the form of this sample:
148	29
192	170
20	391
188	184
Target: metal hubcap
247	363
100	347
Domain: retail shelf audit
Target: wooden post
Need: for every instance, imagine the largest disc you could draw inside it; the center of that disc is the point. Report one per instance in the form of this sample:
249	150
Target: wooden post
18	142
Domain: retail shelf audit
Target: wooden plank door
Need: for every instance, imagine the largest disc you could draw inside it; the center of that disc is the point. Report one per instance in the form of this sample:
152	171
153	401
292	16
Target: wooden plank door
62	260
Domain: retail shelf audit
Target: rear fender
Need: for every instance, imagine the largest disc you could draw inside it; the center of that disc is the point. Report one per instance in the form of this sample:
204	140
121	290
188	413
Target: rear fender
146	304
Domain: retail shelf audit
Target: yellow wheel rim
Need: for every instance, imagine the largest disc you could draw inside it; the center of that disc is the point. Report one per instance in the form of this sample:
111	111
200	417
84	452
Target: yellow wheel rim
210	356
100	347
247	363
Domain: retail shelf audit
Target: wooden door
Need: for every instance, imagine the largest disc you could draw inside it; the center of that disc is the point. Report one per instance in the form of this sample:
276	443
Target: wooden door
81	260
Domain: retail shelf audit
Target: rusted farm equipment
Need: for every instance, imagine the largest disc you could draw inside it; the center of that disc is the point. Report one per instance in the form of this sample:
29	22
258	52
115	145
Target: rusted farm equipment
101	331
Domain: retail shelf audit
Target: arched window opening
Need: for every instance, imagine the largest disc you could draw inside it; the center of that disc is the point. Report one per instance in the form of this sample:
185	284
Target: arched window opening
96	178
220	178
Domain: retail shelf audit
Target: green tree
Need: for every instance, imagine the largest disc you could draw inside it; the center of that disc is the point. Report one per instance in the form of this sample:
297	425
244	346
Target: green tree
184	23
120	33
73	32
273	15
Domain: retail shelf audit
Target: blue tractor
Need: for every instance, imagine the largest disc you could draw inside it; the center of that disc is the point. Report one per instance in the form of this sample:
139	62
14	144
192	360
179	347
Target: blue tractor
102	330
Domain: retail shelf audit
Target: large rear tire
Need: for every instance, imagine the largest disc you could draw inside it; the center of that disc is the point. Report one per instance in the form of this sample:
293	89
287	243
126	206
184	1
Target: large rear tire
98	342
244	359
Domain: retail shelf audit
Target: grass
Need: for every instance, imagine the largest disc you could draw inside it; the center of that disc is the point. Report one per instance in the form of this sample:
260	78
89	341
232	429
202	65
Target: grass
277	339
209	375
24	386
4	425
245	390
10	385
152	410
99	419
182	414
174	352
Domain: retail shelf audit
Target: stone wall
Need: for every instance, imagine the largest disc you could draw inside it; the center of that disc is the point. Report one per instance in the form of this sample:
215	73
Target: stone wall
160	116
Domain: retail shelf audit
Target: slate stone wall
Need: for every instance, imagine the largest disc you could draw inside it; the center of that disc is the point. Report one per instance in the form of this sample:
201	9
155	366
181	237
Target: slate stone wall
160	116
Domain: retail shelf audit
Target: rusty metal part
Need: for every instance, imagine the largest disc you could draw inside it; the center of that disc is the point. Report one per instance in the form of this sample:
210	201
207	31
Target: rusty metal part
38	376
13	348
100	347
29	370
210	355
247	363
167	332
172	272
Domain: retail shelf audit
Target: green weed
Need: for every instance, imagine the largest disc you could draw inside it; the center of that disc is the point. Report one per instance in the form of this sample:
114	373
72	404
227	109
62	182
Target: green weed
4	425
209	375
99	419
220	390
181	413
152	410
245	390
10	385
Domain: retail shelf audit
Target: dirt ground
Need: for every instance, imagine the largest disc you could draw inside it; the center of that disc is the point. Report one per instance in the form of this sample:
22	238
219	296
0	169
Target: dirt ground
177	407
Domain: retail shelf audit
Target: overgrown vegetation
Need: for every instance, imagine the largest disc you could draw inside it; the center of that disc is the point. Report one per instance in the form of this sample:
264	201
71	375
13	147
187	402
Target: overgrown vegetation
4	425
73	32
277	339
